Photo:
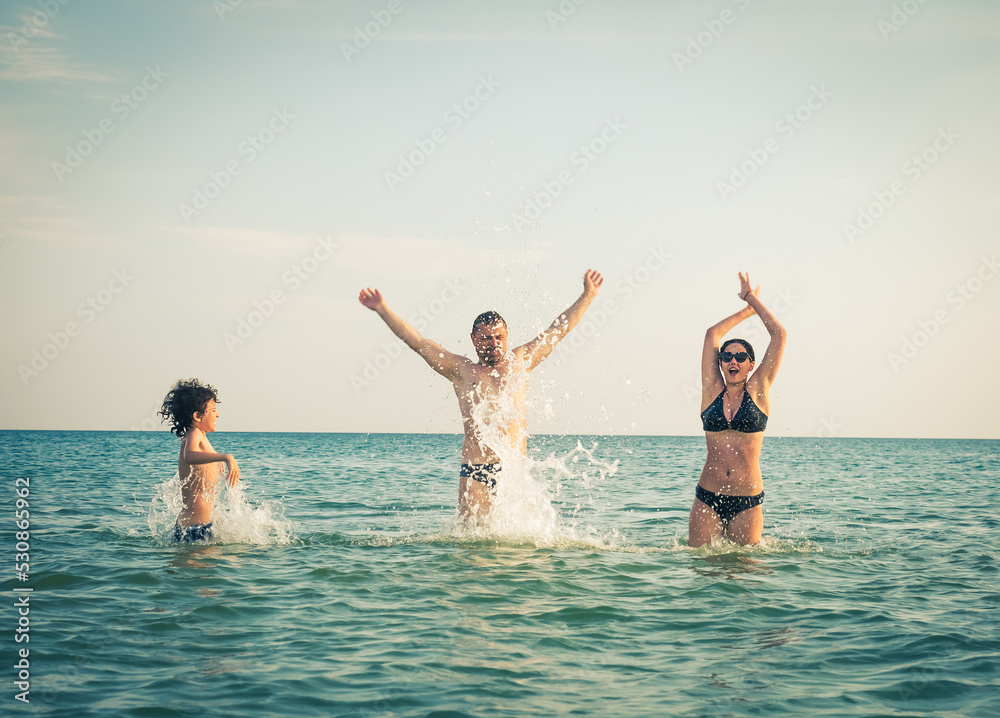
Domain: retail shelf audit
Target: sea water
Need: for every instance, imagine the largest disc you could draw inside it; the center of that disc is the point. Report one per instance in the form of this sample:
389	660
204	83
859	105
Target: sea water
339	584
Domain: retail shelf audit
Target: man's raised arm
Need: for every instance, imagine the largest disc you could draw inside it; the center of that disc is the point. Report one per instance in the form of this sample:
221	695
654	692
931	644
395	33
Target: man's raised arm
541	346
437	357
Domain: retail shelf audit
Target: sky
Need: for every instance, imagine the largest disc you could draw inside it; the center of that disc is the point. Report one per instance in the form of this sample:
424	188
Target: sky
201	189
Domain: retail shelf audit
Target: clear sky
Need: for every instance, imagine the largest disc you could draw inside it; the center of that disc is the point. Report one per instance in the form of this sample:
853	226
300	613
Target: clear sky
200	189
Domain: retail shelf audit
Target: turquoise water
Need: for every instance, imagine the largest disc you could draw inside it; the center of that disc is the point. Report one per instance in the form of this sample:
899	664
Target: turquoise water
339	586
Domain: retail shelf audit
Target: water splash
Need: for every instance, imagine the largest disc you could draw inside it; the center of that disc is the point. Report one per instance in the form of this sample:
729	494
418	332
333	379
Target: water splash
234	518
770	543
551	502
548	502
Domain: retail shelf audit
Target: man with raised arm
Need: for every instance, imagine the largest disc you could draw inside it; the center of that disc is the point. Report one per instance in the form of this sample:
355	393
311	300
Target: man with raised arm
491	392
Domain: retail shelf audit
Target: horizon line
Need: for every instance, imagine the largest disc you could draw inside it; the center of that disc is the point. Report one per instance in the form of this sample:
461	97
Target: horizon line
459	434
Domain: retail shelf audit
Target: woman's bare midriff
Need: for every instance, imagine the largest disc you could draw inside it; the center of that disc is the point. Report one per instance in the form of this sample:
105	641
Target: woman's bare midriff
733	463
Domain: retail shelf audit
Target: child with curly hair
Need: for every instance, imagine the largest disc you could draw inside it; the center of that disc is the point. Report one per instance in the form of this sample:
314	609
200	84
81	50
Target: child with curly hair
191	408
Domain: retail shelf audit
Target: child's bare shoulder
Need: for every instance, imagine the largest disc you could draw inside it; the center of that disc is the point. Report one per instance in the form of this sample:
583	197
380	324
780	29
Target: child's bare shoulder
194	438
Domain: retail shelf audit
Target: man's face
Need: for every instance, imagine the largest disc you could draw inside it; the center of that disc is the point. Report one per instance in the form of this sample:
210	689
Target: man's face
490	342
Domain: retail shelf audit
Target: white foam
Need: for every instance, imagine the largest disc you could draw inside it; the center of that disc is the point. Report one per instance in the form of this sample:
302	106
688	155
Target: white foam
523	508
234	518
768	544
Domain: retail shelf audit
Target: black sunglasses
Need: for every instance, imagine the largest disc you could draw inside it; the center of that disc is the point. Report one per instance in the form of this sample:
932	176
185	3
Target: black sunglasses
726	357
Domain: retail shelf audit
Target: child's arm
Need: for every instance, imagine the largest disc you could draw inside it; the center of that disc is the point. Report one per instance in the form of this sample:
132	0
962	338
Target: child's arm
191	454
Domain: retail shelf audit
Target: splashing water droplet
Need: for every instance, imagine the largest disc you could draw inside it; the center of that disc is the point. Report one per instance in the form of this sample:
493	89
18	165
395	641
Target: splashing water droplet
234	518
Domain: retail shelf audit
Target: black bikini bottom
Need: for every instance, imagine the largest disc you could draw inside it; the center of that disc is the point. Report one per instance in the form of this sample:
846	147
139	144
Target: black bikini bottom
727	507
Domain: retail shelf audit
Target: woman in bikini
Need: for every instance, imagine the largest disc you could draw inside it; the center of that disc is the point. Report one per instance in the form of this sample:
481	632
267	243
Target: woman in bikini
735	406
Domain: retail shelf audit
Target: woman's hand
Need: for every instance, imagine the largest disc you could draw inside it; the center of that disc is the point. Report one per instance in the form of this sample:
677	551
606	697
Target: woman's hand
745	290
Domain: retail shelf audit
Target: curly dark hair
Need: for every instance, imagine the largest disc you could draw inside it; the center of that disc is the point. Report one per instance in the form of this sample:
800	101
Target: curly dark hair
186	399
489	319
